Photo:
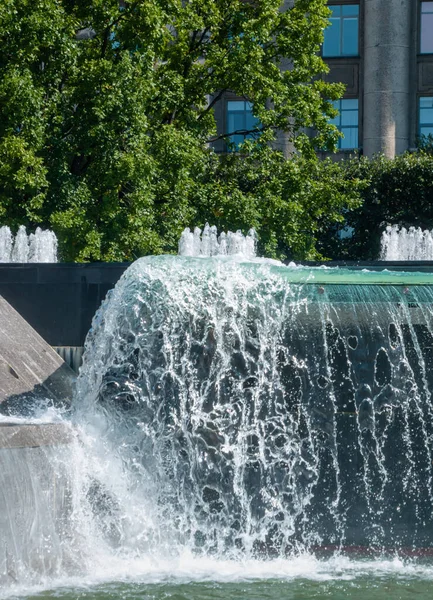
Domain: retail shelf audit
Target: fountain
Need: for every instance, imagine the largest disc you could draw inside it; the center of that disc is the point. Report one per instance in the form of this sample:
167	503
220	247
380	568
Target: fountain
208	243
37	247
406	244
237	419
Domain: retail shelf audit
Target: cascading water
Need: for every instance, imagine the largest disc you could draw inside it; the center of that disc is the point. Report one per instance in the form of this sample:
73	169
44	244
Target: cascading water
234	415
406	244
34	514
37	247
267	416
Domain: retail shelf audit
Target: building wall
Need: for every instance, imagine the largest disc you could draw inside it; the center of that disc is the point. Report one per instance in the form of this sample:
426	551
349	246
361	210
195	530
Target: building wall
388	77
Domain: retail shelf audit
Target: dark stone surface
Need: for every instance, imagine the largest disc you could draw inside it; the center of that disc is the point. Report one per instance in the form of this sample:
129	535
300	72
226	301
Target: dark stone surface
59	300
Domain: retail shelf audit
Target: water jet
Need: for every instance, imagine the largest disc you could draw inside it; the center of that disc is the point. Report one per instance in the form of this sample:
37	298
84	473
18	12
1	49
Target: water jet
38	247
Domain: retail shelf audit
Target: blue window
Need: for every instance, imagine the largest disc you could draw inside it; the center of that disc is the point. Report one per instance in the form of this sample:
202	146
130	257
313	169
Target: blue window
347	122
426	115
240	119
342	35
426	32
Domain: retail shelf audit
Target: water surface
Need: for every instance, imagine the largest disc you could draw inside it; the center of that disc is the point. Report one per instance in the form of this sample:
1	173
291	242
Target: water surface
303	577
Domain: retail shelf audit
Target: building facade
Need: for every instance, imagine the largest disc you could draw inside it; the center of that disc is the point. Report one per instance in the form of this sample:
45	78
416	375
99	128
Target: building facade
382	50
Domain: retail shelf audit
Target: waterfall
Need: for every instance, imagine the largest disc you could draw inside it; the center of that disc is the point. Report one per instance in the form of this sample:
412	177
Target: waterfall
264	415
37	247
34	513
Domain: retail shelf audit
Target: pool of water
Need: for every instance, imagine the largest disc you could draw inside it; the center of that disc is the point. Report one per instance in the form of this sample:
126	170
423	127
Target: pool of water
300	578
386	588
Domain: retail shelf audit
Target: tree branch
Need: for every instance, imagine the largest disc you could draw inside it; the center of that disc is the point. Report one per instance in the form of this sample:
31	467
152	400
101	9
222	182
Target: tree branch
245	132
211	104
107	33
202	37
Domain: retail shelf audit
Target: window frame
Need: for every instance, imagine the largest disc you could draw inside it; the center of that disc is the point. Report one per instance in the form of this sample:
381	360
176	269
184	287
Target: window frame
427	124
340	126
343	4
421	13
231	145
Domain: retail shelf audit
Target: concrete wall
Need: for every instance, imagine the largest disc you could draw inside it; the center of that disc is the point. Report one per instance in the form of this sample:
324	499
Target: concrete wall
59	301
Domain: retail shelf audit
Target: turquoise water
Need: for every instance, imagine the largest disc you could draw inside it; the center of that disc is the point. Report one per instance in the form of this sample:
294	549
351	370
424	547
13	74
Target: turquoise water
263	268
344	276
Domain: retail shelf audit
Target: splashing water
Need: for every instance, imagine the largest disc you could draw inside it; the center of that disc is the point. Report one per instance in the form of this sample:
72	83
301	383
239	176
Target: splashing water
406	244
20	252
251	400
38	247
233	416
208	243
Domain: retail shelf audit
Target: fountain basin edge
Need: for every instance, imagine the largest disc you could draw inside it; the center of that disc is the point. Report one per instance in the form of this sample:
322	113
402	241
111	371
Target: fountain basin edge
59	300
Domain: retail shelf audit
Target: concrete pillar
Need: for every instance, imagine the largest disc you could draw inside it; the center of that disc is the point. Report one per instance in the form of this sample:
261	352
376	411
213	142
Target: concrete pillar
387	42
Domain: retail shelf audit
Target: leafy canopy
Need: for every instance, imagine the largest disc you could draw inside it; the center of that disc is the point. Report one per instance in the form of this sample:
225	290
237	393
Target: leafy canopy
107	114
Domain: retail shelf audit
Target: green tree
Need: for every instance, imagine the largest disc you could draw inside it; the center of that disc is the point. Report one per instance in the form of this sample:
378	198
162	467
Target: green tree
290	203
425	143
106	114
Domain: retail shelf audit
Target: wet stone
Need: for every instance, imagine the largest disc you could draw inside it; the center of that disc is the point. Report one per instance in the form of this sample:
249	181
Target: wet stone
250	382
322	382
394	336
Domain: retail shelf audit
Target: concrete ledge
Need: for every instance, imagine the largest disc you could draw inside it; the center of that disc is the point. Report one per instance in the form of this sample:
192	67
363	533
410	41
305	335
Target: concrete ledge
34	436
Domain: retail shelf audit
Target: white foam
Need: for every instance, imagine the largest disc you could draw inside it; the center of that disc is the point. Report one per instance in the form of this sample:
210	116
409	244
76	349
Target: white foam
153	570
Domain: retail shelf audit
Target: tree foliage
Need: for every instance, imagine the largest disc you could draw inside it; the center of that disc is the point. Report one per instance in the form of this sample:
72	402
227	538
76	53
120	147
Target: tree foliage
106	114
